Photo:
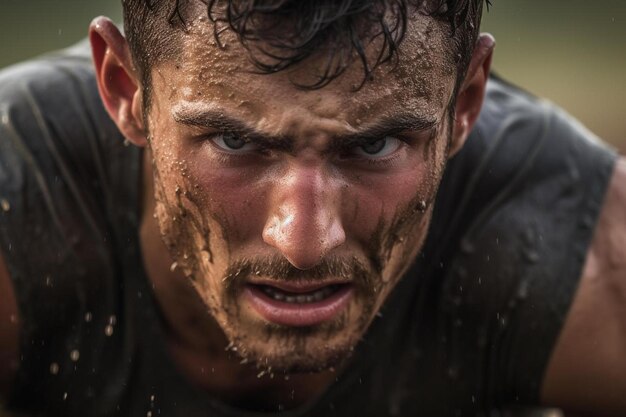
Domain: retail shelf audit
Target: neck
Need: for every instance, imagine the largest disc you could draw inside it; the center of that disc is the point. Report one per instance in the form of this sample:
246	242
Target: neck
197	343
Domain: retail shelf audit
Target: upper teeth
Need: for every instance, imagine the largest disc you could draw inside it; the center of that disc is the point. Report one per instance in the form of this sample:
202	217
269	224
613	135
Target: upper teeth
311	297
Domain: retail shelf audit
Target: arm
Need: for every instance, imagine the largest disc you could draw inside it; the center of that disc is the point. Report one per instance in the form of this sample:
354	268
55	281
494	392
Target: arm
9	332
587	371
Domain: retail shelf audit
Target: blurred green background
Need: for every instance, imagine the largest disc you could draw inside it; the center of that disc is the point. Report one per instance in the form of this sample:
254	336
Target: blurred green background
572	52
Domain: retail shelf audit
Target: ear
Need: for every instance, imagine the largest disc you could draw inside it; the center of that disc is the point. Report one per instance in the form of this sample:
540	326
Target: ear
117	79
472	92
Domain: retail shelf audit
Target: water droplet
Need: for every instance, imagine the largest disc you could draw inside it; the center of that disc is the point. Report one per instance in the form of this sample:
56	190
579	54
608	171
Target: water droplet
88	317
64	396
174	266
54	368
112	320
152	398
6	206
75	355
149	414
108	330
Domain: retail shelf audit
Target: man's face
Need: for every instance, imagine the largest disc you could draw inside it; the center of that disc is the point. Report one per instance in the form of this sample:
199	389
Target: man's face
293	212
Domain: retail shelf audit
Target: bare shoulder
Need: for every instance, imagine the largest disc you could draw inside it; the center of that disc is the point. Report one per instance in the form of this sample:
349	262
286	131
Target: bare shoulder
9	331
587	371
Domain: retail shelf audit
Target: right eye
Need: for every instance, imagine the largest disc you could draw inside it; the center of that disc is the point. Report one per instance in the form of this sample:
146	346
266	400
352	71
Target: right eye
232	143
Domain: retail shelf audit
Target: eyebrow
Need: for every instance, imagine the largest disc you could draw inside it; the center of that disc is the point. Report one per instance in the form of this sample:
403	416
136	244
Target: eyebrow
390	126
385	126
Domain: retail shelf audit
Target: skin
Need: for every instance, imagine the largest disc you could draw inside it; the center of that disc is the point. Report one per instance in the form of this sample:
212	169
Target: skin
305	203
586	372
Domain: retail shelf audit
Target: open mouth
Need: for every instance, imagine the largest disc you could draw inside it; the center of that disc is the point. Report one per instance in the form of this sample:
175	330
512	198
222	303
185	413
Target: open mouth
290	304
300	298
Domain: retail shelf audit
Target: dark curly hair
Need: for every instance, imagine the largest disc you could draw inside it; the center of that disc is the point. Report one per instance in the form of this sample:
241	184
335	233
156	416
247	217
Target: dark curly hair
281	33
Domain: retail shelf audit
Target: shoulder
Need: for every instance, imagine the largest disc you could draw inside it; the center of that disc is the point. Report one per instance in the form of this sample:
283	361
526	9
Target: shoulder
586	371
52	73
53	101
67	188
35	104
513	222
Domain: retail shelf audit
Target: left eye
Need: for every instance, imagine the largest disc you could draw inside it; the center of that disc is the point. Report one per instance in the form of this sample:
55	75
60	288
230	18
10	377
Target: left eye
232	143
378	148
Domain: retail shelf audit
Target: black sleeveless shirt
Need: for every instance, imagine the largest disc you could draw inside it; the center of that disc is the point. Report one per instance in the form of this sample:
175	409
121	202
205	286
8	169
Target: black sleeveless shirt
468	331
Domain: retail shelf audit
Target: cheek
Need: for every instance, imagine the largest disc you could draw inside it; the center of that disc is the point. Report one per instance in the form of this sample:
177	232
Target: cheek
236	198
373	202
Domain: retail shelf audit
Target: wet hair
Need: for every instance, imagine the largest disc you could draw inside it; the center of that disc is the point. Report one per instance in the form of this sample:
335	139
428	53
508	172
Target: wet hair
282	33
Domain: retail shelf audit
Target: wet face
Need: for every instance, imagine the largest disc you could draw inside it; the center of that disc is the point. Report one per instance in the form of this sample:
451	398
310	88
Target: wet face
295	213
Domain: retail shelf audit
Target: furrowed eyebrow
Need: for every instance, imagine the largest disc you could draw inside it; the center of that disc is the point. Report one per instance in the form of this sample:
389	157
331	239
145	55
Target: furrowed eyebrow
387	126
221	122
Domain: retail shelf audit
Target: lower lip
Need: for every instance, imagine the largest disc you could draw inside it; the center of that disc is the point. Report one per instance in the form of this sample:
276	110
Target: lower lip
297	315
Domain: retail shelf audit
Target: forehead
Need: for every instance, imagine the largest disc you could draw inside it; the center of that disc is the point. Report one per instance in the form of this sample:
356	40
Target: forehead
206	76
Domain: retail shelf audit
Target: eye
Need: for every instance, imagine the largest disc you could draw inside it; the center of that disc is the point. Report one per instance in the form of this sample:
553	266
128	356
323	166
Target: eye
378	148
232	143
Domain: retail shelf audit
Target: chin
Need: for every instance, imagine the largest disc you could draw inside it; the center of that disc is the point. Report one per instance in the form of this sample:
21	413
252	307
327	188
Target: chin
292	362
292	350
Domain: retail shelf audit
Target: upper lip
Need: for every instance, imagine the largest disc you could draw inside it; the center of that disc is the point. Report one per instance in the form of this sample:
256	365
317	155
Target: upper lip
298	286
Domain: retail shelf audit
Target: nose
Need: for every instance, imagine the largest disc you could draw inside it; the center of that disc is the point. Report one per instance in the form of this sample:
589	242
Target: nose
304	222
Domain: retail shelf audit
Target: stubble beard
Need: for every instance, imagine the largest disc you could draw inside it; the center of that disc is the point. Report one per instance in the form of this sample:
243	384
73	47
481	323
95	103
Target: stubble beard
286	349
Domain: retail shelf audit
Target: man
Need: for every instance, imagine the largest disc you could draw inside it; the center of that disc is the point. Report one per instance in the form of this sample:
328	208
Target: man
301	224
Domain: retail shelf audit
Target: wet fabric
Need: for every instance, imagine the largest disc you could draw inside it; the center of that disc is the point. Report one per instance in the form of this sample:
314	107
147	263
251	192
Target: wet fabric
468	330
